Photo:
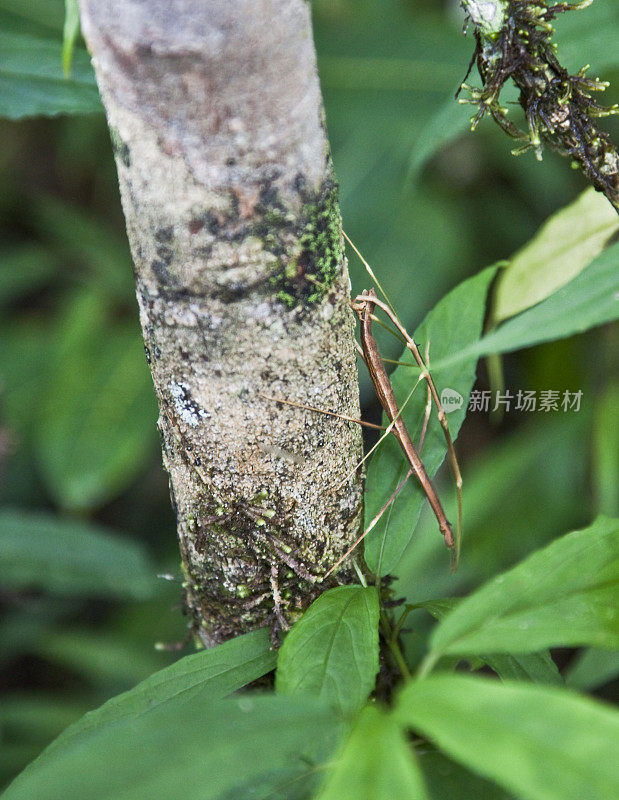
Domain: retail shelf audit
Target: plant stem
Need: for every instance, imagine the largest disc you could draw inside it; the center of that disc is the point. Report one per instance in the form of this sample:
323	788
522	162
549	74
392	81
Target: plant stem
393	645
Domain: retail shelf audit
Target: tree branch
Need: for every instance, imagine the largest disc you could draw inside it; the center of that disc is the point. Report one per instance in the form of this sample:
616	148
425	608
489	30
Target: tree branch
216	118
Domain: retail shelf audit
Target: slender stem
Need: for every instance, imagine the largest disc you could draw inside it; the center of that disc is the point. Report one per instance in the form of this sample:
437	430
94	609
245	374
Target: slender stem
393	645
402	620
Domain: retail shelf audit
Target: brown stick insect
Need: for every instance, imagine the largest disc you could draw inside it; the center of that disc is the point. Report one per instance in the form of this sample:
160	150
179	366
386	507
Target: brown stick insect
364	306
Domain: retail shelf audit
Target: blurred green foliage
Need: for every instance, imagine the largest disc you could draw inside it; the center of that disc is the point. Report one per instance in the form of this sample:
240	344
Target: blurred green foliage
427	203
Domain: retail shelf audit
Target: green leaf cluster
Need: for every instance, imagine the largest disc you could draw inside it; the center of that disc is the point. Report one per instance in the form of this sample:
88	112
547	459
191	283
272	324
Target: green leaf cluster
539	741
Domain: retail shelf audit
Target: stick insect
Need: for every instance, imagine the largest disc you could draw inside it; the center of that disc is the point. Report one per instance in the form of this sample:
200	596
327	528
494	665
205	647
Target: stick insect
364	306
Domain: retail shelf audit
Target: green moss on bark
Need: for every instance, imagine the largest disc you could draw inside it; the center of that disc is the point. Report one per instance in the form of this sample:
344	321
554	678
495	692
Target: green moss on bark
306	275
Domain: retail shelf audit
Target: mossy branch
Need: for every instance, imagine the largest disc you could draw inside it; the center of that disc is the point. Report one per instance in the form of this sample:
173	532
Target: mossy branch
231	206
514	42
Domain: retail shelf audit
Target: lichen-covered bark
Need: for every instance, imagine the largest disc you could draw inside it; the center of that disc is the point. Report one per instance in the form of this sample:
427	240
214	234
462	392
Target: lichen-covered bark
216	119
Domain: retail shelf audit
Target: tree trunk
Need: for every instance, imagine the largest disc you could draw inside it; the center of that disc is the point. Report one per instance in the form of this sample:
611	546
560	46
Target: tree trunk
215	114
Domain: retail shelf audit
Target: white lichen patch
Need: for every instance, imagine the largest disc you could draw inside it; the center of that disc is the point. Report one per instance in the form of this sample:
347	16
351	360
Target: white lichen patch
187	408
181	316
487	15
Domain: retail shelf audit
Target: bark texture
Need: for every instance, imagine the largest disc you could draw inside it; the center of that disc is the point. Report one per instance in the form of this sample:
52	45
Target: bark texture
216	118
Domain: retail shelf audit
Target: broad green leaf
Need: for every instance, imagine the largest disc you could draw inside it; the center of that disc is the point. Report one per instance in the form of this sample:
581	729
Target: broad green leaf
258	746
43	16
562	248
592	668
69	34
376	763
332	651
32	80
14	756
97	426
67	557
540	742
605	464
590	299
563	595
535	667
454	322
448	780
507	485
198	678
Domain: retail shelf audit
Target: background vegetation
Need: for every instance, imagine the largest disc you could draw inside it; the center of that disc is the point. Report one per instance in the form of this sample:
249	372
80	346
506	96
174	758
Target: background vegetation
427	203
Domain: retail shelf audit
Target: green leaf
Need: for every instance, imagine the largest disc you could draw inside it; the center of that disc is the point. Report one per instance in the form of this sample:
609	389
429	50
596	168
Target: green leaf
565	245
69	35
376	763
605	464
32	80
456	320
563	595
97	427
332	651
67	557
508	484
542	743
448	780
585	302
535	667
258	746
592	668
198	678
43	16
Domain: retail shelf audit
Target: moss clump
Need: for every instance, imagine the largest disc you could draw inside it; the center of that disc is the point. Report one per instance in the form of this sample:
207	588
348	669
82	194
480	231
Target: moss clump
287	299
308	273
559	107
